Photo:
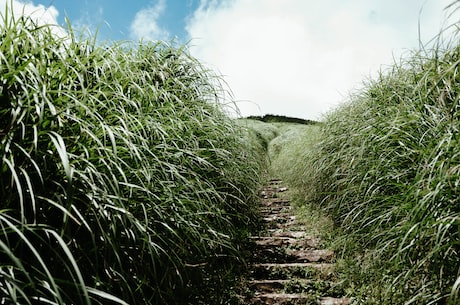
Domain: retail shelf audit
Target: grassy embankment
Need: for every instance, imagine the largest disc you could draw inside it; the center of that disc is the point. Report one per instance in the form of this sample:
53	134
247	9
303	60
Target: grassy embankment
287	141
122	179
386	168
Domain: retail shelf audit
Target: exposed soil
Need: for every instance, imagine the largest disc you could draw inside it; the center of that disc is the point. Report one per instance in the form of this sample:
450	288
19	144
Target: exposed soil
289	266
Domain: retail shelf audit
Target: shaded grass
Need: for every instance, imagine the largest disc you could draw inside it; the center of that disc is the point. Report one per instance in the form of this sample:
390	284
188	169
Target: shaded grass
260	134
122	179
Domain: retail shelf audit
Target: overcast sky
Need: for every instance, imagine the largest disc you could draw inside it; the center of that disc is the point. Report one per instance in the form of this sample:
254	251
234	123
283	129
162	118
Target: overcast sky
290	57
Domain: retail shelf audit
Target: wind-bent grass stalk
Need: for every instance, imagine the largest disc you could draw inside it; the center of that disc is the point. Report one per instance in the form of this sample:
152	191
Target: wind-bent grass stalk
387	169
119	170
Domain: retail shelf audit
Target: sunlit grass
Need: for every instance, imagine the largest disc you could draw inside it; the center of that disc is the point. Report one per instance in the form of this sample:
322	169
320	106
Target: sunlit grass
122	178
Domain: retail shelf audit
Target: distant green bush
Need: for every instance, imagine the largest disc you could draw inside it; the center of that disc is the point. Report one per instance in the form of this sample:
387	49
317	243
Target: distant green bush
121	177
387	168
271	118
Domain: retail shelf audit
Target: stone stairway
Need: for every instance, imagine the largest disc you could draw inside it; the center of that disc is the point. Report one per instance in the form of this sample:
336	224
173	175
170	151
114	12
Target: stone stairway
289	266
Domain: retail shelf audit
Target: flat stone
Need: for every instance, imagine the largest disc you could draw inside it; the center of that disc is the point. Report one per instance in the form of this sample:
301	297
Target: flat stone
276	240
276	210
275	202
271	286
311	255
292	234
280	218
275	207
287	225
278	298
319	266
297	231
334	301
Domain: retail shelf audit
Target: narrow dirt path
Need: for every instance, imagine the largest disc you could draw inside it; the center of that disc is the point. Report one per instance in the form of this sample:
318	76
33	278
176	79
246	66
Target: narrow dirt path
289	266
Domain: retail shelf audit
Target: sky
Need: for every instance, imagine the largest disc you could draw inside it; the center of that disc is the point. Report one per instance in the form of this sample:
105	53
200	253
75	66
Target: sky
299	58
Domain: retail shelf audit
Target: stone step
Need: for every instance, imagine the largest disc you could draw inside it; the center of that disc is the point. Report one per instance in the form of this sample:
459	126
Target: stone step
294	231
284	225
289	266
296	298
275	186
285	271
275	285
270	209
302	287
286	255
280	217
288	240
334	301
290	299
271	212
271	192
311	255
280	299
291	234
275	202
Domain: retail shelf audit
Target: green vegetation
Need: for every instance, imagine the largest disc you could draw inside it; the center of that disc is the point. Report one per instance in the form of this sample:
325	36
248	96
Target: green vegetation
122	179
272	118
387	170
385	167
260	134
288	149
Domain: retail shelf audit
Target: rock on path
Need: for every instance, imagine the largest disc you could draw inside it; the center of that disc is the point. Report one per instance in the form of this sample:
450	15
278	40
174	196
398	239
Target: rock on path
289	266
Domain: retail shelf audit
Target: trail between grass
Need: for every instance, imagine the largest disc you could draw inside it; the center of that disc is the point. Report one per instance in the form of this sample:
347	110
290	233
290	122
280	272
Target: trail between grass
289	266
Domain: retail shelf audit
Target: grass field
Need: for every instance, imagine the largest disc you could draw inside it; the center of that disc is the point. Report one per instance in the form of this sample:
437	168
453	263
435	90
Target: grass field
387	170
122	178
385	167
393	221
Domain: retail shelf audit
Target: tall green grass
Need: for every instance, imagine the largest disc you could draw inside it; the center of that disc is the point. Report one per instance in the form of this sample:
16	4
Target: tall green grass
286	152
122	179
261	134
387	168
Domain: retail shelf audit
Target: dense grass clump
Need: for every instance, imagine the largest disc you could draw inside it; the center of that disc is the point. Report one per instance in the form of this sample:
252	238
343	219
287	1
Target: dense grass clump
261	134
287	151
387	169
122	180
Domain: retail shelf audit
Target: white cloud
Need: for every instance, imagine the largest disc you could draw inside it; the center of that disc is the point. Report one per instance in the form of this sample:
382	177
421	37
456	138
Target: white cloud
90	22
38	13
300	58
145	23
